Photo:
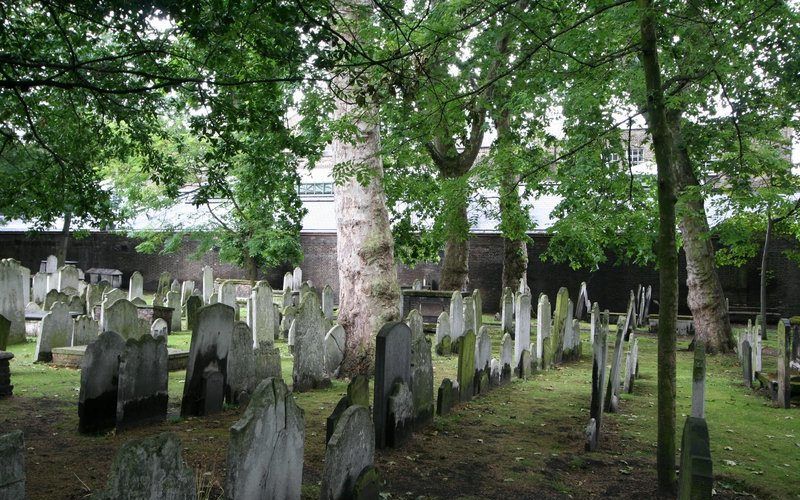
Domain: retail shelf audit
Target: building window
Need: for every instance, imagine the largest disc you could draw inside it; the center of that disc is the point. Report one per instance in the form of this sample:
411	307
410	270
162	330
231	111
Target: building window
637	155
315	189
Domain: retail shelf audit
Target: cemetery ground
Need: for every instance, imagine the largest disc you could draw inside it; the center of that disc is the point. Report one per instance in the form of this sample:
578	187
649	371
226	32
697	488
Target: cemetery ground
522	440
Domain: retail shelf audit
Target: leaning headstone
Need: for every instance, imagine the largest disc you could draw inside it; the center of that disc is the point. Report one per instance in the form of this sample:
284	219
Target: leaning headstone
442	331
208	351
456	316
67	277
506	358
784	335
477	302
263	311
747	366
697	472
12	466
159	328
334	349
265	455
543	325
143	374
400	415
421	371
308	371
611	396
469	314
466	366
174	301
507	311
350	450
327	302
56	331
84	330
12	304
193	304
297	279
123	317
241	364
208	284
522	326
150	469
97	400
598	377
136	286
392	363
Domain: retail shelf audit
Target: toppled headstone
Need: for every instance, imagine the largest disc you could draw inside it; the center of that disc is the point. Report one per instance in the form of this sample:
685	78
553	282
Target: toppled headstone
308	371
56	331
334	349
466	366
208	353
97	400
421	371
350	450
142	388
150	469
392	363
12	466
84	330
265	456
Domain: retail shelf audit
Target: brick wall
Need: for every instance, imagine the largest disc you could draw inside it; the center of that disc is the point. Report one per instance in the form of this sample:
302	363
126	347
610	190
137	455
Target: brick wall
609	284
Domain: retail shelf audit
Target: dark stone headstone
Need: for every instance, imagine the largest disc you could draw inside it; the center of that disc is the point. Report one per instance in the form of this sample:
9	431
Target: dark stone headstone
524	366
421	371
447	397
466	366
392	364
213	391
600	345
350	450
747	364
330	422
6	389
12	466
697	478
611	396
208	351
400	415
143	375
193	304
483	382
5	330
445	346
97	400
368	485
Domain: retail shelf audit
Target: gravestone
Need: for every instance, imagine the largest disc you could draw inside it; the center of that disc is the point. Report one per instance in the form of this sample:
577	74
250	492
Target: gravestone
611	396
139	302
784	337
263	314
543	325
416	285
477	303
483	350
327	302
506	358
25	275
696	478
447	397
187	287
559	325
227	294
150	469
442	331
6	389
571	351
268	362
334	349
97	400
699	381
288	315
208	351
495	373
241	364
469	314
175	286
67	277
122	317
142	388
456	316
12	304
357	394
193	304
84	330
507	311
12	466
208	284
51	264
308	371
75	304
136	286
159	328
392	363
466	366
288	280
286	299
297	279
400	409
350	450
525	366
421	372
265	455
522	325
583	305
56	331
747	367
39	288
630	366
174	301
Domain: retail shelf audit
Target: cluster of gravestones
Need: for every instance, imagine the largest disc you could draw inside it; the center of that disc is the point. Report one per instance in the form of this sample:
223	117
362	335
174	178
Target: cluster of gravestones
749	348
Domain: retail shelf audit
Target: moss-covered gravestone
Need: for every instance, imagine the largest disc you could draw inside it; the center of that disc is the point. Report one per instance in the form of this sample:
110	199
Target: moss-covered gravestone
696	477
442	331
466	366
784	334
447	397
142	382
367	485
421	371
612	391
600	335
747	364
193	304
357	394
543	353
350	450
559	324
392	364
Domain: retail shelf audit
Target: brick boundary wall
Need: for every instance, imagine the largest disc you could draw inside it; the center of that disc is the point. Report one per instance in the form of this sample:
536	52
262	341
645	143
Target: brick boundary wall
609	284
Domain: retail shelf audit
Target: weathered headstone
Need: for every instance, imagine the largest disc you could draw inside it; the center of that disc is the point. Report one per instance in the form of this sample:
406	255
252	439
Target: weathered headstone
241	364
187	287
477	302
287	318
159	328
442	331
150	469
522	325
447	397
84	330
456	316
600	323
268	362
350	450
483	350
525	365
327	302
25	275
136	286
506	358
416	285
559	325
392	363
507	312
583	305
308	371
51	265
67	278
56	331
469	314
630	365
193	304
123	317
466	366
784	336
12	304
227	294
288	280
297	278
265	456
263	311
39	288
696	478
357	394
400	411
12	466
142	389
334	349
747	366
174	301
612	391
208	284
97	400
421	371
211	341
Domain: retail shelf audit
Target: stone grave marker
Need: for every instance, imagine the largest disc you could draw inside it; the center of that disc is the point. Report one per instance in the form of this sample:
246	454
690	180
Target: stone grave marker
288	280
265	456
630	365
483	350
159	328
208	352
416	285
466	366
421	372
308	371
506	358
495	373
25	275
334	349
543	331
469	314
174	301
56	331
208	284
5	327
97	400
268	362
583	305
400	415
600	334
447	397
350	450
612	391
696	478
525	366
51	264
392	363
193	304
142	388
84	330
39	287
227	294
442	331
12	304
122	317
241	364
67	277
136	286
357	394
297	279
559	325
747	366
477	303
12	466
522	326
327	302
456	316
507	311
784	337
263	314
187	287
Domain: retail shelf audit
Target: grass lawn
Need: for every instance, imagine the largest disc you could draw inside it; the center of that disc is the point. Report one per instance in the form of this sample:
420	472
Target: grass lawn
523	440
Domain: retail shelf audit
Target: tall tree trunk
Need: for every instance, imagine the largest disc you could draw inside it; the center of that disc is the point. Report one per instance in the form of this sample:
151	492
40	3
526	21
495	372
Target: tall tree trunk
515	263
369	294
455	265
706	298
64	244
762	287
667	253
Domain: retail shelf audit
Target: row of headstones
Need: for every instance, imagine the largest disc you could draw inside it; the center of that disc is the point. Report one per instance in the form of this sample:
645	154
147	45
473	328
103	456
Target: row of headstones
466	313
788	356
